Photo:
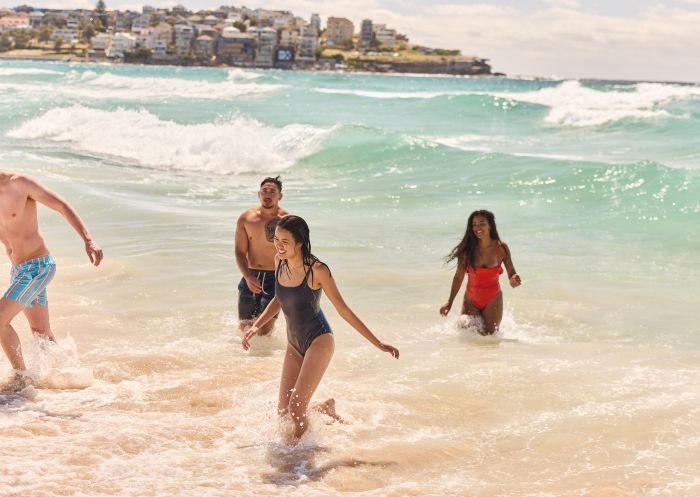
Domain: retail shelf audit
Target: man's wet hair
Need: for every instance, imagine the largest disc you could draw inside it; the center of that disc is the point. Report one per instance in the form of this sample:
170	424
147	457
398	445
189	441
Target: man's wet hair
276	180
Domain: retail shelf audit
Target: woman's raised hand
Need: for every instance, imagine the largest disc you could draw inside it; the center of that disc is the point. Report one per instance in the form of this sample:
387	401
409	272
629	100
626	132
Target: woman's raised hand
388	348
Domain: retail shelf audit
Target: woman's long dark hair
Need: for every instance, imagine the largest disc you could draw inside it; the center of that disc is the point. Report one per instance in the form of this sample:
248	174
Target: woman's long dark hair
465	251
300	232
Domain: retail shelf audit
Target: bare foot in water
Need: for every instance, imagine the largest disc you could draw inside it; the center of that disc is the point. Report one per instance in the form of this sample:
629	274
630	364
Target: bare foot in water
19	382
328	408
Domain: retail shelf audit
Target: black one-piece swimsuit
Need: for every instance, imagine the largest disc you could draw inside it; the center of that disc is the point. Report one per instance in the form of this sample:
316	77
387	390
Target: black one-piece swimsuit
302	310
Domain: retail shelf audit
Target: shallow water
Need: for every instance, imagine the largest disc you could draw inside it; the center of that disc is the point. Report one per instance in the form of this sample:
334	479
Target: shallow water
590	389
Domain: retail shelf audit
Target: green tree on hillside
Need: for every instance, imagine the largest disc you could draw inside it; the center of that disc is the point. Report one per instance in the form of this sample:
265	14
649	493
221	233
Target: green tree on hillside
88	32
22	37
45	33
5	43
101	12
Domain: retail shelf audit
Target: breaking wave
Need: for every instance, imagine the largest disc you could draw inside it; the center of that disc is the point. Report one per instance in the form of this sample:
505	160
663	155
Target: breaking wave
391	94
236	145
573	104
149	87
19	71
570	103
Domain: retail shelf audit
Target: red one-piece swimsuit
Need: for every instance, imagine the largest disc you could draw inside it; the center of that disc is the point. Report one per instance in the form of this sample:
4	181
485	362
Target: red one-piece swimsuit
482	284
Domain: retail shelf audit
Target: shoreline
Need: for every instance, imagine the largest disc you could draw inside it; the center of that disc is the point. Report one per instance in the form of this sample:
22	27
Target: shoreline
71	58
364	67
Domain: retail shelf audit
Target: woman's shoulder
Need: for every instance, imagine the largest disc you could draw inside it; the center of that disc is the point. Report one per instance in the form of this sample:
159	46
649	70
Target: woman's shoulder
320	270
503	248
320	266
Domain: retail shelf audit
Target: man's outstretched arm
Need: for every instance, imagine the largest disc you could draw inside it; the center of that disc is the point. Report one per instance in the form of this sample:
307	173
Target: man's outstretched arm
51	199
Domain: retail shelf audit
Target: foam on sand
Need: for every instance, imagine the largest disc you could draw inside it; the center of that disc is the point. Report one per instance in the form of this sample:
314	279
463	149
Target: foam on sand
236	145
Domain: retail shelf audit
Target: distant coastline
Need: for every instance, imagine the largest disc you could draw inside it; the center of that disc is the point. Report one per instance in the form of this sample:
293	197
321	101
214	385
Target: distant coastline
227	36
451	66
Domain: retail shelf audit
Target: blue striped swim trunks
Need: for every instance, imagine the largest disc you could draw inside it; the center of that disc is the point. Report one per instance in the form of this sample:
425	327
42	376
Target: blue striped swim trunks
28	281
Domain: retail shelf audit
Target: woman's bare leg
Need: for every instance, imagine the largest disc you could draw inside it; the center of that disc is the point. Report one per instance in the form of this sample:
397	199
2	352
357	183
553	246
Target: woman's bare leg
469	308
290	373
327	407
493	313
314	365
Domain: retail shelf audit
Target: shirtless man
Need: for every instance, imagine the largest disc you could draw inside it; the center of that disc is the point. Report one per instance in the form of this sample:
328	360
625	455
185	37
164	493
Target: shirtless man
33	266
255	254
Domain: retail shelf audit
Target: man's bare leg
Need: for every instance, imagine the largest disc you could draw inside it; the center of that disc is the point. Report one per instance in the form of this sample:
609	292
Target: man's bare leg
38	317
244	325
267	329
8	336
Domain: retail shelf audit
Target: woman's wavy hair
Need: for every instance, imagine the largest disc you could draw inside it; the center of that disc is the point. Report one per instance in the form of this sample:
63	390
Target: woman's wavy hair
300	232
465	251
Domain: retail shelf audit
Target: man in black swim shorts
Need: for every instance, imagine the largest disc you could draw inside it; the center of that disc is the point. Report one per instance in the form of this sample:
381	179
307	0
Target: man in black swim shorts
255	254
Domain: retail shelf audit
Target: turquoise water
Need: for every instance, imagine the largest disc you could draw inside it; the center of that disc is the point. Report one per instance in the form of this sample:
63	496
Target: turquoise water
595	186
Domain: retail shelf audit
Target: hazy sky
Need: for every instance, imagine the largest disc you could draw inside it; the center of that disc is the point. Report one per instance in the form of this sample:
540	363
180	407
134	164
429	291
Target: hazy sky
614	39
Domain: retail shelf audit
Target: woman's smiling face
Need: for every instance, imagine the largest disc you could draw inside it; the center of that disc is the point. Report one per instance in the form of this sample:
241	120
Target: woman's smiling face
285	244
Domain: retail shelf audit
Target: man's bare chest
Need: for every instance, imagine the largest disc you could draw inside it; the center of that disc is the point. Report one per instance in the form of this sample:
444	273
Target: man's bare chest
262	230
15	210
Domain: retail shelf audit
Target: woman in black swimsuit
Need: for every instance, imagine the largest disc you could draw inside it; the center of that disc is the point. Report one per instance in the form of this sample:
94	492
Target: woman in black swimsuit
300	278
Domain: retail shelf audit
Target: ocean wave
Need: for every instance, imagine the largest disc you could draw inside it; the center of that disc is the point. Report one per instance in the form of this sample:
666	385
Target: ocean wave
392	94
150	87
237	145
19	71
237	73
501	145
570	103
573	104
470	143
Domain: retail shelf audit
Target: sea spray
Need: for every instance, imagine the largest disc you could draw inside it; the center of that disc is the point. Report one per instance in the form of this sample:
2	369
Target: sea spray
56	365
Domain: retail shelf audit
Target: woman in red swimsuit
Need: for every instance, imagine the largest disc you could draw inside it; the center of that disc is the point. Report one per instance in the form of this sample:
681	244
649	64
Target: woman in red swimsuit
480	255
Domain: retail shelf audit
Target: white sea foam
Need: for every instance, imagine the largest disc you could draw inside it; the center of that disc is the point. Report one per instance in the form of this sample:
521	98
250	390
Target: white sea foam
573	104
56	365
501	145
148	87
237	145
471	143
19	71
390	94
237	73
109	86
